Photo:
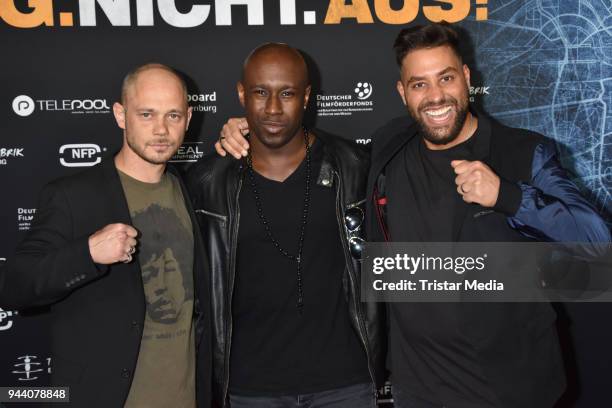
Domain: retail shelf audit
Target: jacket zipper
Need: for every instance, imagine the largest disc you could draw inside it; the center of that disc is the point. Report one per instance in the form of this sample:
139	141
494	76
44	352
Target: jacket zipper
232	269
349	262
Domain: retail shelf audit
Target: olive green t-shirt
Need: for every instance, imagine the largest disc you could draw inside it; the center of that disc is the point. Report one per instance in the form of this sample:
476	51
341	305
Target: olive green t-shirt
165	371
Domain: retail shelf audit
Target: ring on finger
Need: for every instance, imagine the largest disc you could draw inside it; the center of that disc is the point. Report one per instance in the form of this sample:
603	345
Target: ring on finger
132	250
462	189
128	259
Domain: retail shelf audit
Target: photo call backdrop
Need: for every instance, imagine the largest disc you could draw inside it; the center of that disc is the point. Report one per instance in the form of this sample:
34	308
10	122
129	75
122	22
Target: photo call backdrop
544	65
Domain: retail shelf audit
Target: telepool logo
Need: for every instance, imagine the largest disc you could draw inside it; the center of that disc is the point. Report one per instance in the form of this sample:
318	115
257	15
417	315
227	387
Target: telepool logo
143	13
23	105
80	155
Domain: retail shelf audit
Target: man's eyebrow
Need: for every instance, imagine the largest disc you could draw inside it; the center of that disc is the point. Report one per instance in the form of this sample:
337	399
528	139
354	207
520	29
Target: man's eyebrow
444	71
282	86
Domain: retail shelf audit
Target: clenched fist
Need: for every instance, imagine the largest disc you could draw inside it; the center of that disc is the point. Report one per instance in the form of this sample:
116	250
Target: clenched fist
113	243
476	182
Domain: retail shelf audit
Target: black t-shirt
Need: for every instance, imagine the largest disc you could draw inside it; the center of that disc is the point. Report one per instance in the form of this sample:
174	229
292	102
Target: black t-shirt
275	350
430	354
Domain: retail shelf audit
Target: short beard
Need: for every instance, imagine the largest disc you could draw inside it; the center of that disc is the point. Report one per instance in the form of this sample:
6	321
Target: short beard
140	152
435	137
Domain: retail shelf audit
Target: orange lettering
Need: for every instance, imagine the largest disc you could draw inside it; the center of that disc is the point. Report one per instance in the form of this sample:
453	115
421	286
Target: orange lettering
390	16
42	13
459	10
338	9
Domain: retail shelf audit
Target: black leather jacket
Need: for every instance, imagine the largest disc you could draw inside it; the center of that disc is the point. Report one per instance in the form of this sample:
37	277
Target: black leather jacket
215	183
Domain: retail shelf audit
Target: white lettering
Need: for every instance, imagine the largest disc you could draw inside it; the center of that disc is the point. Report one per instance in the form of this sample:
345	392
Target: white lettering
117	11
195	17
223	11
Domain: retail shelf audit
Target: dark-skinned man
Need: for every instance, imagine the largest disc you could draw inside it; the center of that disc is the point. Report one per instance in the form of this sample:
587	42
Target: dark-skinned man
450	174
282	228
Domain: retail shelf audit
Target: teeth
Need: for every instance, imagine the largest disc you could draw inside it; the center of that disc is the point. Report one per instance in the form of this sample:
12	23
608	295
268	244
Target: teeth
438	112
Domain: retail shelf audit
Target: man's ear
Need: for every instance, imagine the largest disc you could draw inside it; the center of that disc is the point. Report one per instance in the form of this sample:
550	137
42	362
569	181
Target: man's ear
189	114
307	95
466	75
400	90
119	113
240	89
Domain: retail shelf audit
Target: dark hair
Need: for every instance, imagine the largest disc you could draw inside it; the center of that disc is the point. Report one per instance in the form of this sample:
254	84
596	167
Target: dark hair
425	36
157	218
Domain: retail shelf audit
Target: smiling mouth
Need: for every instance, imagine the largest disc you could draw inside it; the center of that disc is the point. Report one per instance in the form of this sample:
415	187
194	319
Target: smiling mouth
438	115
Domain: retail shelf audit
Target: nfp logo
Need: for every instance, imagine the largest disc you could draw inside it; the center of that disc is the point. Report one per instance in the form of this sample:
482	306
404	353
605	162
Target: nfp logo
23	105
6	321
80	155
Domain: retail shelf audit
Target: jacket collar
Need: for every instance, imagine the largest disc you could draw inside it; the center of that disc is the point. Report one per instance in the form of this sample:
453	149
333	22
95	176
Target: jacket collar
399	140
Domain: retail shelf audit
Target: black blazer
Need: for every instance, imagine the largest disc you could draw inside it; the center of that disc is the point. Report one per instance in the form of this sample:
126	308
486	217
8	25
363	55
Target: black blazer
97	312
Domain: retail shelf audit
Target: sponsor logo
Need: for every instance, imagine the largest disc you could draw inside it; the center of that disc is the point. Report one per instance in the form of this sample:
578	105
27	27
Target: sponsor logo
6	321
80	155
384	394
189	152
363	141
203	102
28	367
347	104
25	216
118	13
479	91
23	105
363	90
6	153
